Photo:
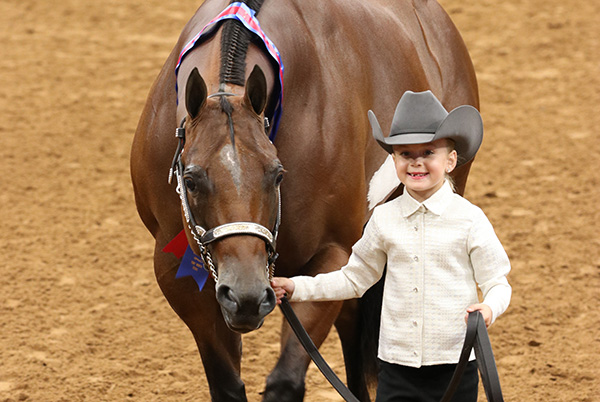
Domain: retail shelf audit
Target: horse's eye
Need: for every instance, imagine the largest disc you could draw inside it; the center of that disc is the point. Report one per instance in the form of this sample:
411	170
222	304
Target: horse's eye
189	184
278	178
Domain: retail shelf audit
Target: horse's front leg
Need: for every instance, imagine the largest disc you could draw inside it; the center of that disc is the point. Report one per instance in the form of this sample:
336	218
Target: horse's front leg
286	383
219	347
220	350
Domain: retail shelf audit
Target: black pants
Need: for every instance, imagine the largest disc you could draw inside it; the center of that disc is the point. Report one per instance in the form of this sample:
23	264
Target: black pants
425	384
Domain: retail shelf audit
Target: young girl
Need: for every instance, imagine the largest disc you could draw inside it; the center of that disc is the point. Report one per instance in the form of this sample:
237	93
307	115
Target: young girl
438	248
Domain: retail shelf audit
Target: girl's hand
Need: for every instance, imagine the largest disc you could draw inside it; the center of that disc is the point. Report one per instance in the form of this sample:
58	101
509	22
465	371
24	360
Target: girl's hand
485	310
282	287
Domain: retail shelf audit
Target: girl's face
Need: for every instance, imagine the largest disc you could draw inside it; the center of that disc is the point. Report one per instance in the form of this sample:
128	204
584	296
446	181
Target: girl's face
422	168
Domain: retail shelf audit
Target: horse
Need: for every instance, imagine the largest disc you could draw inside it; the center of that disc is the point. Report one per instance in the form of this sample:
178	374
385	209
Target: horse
272	156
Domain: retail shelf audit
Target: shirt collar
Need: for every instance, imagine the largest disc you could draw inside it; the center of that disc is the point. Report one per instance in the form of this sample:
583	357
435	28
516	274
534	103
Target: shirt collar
437	203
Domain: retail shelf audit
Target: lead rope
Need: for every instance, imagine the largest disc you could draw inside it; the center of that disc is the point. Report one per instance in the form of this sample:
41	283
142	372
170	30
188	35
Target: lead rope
476	337
313	352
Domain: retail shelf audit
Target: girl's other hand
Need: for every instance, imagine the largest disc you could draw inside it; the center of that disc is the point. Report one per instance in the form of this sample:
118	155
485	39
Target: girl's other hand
485	310
282	287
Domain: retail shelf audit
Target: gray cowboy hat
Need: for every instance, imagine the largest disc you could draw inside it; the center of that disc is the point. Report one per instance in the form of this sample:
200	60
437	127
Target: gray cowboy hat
420	118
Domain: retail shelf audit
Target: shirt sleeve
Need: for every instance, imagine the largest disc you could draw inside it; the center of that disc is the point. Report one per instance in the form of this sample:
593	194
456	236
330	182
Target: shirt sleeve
490	265
365	267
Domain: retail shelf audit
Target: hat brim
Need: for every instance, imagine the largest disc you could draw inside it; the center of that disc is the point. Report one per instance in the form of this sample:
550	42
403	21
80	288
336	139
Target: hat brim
464	126
408	139
377	133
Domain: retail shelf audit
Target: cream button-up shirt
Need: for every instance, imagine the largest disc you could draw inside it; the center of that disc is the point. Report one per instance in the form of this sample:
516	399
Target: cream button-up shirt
437	253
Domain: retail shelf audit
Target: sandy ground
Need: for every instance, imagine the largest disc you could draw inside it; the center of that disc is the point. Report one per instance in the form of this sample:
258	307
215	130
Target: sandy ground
81	316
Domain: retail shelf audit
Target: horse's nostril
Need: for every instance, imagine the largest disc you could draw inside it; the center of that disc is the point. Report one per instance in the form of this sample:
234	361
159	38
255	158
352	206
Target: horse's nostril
227	298
268	301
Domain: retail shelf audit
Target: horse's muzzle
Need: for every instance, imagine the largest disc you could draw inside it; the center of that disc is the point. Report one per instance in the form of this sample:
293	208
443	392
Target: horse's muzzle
245	311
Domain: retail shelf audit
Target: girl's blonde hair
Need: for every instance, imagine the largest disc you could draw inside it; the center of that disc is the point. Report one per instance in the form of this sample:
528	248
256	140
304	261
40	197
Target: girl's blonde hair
451	147
450	181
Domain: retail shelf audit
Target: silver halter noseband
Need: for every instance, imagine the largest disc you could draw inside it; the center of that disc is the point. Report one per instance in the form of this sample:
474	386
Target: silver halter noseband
204	237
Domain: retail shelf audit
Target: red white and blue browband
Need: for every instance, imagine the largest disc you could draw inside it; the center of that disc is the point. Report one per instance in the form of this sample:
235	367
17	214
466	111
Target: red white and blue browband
246	16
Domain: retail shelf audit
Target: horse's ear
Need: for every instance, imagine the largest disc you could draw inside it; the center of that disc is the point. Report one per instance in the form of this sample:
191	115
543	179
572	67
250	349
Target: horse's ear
256	90
195	93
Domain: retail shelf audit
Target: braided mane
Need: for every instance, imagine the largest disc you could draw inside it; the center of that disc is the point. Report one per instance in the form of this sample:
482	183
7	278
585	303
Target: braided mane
234	47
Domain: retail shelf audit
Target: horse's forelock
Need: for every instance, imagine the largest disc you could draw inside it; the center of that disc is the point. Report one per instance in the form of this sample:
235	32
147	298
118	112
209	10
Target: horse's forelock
226	106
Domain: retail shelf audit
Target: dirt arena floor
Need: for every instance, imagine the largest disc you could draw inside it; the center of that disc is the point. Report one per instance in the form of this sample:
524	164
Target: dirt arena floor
81	316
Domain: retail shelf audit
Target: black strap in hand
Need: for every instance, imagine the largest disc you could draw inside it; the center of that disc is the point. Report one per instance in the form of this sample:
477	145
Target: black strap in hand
477	337
313	352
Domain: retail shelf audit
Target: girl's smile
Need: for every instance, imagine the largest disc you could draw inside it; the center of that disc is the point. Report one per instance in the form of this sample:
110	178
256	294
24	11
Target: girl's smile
417	175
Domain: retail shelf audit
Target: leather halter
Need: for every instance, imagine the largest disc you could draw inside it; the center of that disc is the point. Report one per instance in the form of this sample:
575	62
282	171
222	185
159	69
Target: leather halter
204	237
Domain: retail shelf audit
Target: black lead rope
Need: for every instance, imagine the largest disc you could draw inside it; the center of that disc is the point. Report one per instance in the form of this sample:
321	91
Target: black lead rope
476	337
313	352
487	363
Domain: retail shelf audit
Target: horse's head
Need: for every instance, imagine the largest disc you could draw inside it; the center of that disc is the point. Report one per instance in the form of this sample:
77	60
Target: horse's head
230	176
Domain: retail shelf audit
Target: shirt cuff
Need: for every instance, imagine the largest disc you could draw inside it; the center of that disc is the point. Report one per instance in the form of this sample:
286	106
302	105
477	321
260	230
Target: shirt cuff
498	297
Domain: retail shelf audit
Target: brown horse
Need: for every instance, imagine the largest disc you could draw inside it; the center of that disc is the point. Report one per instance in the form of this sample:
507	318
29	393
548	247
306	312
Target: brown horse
341	58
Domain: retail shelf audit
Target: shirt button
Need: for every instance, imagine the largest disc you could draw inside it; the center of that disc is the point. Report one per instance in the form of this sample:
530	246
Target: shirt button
416	353
415	290
416	258
415	323
416	228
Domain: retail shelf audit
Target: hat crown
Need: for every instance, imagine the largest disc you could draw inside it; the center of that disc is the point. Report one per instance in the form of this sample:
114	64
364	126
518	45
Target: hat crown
418	112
